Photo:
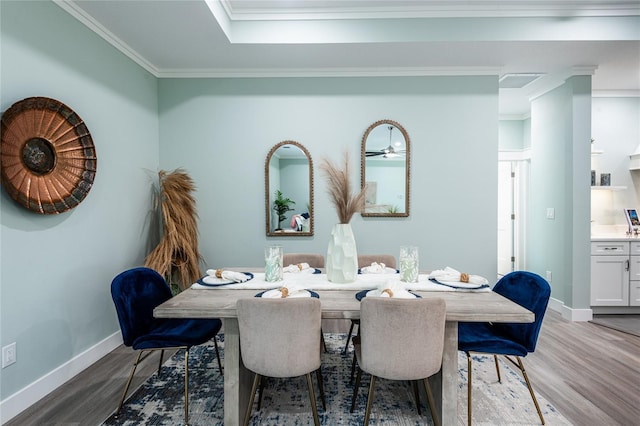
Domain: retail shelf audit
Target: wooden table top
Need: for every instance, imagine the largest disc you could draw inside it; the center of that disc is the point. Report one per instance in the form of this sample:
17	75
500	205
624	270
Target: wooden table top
342	304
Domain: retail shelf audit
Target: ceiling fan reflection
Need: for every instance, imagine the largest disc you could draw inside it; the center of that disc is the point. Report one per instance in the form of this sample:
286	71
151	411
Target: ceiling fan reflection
389	151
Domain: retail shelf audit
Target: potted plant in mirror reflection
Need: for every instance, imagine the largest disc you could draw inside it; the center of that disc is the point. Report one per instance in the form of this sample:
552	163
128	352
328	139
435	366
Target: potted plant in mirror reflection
282	205
342	257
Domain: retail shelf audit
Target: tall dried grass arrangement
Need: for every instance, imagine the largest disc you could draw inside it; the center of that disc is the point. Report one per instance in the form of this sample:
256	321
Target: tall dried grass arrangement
176	256
341	193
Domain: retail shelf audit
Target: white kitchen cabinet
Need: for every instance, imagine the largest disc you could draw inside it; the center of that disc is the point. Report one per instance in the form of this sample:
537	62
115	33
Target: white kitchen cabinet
615	273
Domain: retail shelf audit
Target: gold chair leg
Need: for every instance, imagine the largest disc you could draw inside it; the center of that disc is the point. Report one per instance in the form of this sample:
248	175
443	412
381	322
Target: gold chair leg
432	403
533	395
186	386
254	387
312	397
126	387
495	358
367	413
469	368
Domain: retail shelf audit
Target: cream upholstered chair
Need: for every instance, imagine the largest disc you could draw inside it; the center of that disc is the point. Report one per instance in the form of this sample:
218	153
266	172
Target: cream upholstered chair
387	324
281	338
365	260
314	260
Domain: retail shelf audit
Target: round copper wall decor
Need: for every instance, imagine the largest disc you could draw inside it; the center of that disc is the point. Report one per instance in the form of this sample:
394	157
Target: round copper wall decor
47	155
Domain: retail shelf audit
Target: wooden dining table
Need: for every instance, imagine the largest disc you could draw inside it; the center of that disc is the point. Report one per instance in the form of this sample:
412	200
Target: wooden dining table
462	306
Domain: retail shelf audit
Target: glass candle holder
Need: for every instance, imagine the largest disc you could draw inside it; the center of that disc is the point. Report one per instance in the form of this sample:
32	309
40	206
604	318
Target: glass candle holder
273	263
409	264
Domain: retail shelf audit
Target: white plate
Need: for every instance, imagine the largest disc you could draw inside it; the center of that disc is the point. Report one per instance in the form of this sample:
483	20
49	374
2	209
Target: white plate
387	270
215	281
460	284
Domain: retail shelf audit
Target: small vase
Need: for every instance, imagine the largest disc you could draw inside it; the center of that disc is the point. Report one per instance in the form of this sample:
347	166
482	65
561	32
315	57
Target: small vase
342	256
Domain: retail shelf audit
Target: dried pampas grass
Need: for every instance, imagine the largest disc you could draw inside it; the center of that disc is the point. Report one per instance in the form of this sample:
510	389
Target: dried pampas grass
177	253
340	189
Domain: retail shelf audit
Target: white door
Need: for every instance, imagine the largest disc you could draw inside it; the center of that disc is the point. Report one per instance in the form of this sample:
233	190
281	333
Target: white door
506	217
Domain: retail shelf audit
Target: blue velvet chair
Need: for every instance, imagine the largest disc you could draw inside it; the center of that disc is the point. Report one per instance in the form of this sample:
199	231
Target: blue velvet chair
508	339
136	292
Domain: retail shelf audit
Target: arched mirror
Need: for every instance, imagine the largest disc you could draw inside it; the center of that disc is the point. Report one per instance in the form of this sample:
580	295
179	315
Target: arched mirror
289	191
385	170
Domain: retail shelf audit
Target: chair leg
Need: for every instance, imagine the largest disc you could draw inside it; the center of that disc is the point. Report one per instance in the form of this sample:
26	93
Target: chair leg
186	386
321	387
254	387
215	342
432	404
367	413
324	344
353	367
126	387
312	398
160	362
261	391
416	395
355	390
346	345
469	387
533	395
495	358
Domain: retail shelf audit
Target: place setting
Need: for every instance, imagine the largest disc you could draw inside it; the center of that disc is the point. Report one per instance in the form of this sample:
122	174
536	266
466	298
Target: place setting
222	277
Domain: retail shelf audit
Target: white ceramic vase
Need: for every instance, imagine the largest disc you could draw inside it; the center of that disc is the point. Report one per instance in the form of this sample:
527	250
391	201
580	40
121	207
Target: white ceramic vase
342	256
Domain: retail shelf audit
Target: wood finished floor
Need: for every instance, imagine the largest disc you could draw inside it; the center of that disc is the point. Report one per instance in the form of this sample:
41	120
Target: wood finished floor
591	374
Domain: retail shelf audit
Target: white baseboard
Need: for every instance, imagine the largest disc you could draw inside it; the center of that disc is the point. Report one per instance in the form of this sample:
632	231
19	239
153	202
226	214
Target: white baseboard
568	313
32	393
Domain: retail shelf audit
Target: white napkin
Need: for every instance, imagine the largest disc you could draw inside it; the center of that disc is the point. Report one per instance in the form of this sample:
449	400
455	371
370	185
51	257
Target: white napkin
303	268
451	275
238	277
393	289
377	268
284	291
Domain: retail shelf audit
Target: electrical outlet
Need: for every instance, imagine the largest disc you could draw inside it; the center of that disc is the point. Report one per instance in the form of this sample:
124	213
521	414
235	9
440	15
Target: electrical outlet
8	354
549	276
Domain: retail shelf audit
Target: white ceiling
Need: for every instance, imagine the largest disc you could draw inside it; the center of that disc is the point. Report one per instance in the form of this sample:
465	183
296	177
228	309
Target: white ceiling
245	38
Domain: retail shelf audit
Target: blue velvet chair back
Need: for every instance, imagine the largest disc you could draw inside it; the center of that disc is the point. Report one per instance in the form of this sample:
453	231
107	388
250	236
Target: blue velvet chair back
530	291
136	292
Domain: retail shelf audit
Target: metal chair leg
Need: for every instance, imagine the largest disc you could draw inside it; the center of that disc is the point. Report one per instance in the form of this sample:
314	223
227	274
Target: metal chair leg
469	387
160	362
533	395
355	390
416	395
321	387
367	413
126	387
353	367
495	358
254	387
215	341
432	403
346	345
261	391
312	398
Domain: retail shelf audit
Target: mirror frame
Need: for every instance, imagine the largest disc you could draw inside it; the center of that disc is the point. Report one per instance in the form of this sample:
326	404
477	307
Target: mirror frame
267	198
363	178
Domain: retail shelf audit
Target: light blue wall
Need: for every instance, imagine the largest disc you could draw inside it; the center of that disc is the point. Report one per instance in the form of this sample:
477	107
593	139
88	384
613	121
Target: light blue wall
560	151
511	135
220	131
56	270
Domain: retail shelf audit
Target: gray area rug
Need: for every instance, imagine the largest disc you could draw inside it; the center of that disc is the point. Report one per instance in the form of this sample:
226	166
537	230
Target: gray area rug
629	324
160	401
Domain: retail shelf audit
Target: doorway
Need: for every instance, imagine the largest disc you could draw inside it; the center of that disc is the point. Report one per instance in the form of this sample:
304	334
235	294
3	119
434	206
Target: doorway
512	196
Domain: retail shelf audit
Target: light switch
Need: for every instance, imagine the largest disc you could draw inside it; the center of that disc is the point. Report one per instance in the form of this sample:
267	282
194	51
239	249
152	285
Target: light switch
551	213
